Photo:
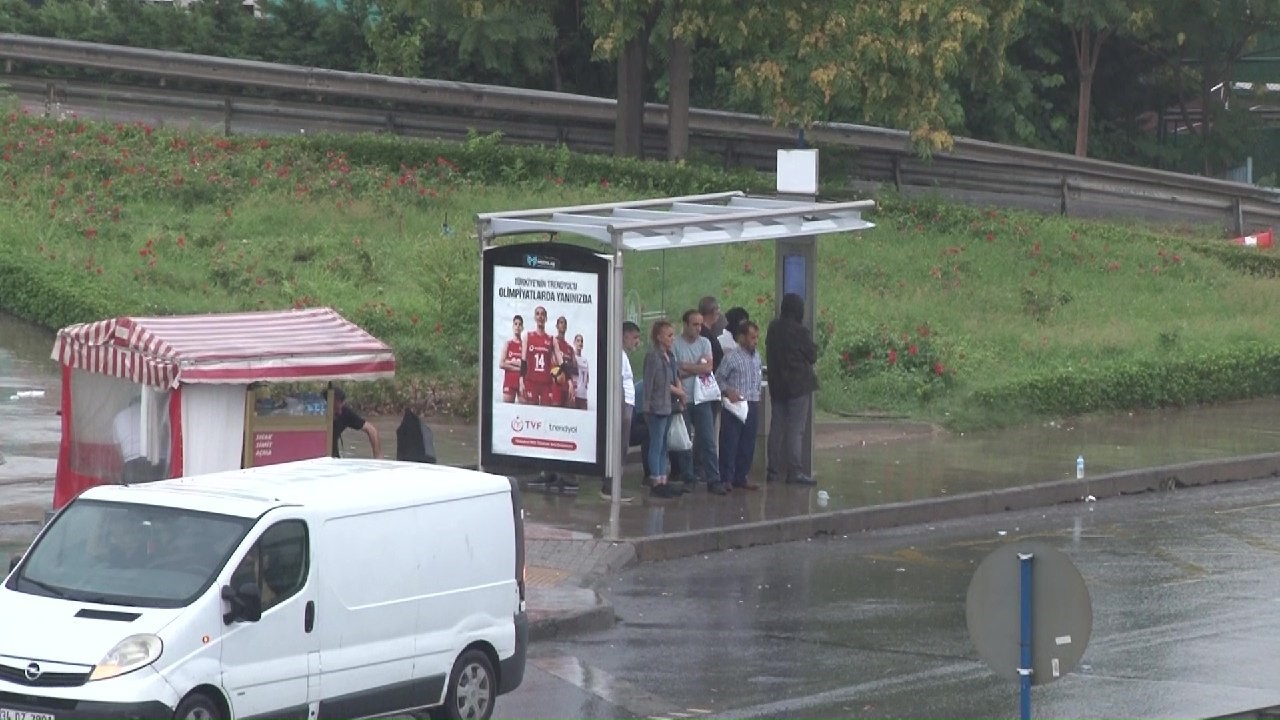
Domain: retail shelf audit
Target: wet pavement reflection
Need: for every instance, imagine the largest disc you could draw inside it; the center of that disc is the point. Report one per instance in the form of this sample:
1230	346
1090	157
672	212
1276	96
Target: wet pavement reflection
30	393
1183	590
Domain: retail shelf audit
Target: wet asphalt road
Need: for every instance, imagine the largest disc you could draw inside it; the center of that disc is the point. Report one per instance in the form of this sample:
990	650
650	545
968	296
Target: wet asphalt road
1185	589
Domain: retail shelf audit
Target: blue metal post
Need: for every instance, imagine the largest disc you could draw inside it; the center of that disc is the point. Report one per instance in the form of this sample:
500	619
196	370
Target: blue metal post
1024	642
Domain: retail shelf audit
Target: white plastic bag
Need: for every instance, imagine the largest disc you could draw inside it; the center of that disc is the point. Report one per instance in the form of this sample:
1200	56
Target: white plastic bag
678	435
739	409
705	389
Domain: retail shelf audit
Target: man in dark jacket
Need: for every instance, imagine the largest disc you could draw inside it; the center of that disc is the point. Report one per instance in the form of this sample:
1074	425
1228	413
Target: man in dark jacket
790	355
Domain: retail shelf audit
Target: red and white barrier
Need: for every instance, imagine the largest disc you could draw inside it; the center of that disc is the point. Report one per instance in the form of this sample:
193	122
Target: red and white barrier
1260	240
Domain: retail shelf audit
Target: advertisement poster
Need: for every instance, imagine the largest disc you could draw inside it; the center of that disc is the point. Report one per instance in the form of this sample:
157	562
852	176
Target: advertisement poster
544	320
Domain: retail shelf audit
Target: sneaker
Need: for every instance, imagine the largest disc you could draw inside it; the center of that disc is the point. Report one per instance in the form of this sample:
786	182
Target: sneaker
802	480
717	489
608	497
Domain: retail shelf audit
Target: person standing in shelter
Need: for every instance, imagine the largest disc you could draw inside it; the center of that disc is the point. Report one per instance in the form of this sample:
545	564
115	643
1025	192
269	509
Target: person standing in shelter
790	354
345	418
739	378
630	340
582	378
694	358
712	325
540	355
735	317
663	396
513	355
127	428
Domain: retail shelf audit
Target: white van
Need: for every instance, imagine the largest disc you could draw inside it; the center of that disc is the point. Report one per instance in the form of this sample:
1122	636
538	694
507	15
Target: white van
316	589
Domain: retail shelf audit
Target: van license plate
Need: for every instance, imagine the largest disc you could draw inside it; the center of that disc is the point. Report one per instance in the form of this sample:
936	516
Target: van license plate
7	714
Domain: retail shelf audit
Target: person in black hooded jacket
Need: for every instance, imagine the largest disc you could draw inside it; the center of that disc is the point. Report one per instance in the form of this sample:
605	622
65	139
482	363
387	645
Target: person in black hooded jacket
790	354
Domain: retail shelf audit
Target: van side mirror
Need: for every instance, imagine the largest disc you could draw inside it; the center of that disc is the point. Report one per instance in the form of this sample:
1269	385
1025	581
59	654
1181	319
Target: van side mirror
246	603
13	562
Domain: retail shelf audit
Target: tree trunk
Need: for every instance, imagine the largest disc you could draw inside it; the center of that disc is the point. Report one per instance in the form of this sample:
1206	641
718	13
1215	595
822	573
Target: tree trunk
1088	48
1082	115
679	70
628	133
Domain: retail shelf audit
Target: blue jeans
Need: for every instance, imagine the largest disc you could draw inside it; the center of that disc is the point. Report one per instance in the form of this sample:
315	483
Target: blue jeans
701	462
738	444
659	465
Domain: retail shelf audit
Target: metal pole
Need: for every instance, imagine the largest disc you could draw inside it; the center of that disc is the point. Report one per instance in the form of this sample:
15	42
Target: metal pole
1024	669
613	405
481	227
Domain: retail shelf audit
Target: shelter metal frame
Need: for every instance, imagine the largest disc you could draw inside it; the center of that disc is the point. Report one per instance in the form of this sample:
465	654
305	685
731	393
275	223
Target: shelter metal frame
665	224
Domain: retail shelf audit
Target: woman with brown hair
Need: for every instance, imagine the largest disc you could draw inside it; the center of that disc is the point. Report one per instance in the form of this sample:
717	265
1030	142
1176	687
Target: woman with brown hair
663	396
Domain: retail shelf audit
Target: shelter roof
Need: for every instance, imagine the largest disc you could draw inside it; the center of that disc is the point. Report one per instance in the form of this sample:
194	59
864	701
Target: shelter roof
696	220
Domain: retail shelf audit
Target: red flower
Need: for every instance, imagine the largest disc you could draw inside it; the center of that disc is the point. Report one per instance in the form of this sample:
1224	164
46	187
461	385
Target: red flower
90	233
938	369
913	350
893	356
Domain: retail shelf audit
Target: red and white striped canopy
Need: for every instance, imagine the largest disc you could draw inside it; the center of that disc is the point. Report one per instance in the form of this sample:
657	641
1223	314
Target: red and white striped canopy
229	348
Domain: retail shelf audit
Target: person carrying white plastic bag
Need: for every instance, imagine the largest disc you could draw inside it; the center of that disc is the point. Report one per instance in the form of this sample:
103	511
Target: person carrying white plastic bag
740	384
663	397
695	359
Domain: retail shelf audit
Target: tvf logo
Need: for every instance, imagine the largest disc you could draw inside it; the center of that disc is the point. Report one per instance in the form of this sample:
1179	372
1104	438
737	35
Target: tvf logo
521	424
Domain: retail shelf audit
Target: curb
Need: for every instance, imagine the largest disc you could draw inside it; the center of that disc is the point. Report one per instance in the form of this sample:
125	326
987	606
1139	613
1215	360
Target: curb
552	625
558	625
914	512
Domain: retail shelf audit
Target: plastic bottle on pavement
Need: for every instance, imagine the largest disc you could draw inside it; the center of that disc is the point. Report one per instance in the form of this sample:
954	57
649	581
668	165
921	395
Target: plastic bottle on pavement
1079	467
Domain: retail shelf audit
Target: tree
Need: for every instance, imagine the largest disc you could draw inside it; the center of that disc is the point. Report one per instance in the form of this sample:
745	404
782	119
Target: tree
1200	42
1092	23
623	29
884	63
511	39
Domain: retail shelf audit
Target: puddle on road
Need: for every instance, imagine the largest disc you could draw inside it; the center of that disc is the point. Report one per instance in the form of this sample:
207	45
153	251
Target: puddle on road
30	392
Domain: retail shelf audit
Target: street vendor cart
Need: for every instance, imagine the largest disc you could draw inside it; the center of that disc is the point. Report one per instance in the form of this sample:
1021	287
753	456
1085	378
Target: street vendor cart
185	395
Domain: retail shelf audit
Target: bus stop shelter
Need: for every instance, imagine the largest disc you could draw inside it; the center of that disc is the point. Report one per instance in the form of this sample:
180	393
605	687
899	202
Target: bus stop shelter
669	224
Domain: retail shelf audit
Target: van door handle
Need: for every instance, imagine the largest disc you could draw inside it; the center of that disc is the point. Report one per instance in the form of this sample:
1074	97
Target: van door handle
309	616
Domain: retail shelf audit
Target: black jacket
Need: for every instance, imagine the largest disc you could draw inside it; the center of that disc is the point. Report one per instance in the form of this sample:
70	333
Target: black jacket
790	352
717	352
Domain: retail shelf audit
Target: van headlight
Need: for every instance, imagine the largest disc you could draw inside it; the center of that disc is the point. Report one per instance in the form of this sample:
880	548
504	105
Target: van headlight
131	653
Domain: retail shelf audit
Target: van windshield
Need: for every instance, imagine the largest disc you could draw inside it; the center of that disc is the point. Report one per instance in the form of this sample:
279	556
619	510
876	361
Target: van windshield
128	554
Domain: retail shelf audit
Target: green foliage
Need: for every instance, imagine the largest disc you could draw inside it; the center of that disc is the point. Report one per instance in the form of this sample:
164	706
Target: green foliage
1232	373
941	312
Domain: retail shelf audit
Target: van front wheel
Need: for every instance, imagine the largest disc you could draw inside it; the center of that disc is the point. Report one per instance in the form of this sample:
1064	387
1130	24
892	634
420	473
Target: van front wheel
472	689
197	707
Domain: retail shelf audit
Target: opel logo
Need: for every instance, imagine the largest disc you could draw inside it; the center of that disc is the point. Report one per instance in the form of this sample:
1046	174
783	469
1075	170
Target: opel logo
33	672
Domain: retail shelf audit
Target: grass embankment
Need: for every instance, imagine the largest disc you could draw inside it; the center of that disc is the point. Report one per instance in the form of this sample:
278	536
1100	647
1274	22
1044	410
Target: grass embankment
970	317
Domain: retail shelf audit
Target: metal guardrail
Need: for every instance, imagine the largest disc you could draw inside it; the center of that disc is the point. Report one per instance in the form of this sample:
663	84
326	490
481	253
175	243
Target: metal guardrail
973	171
